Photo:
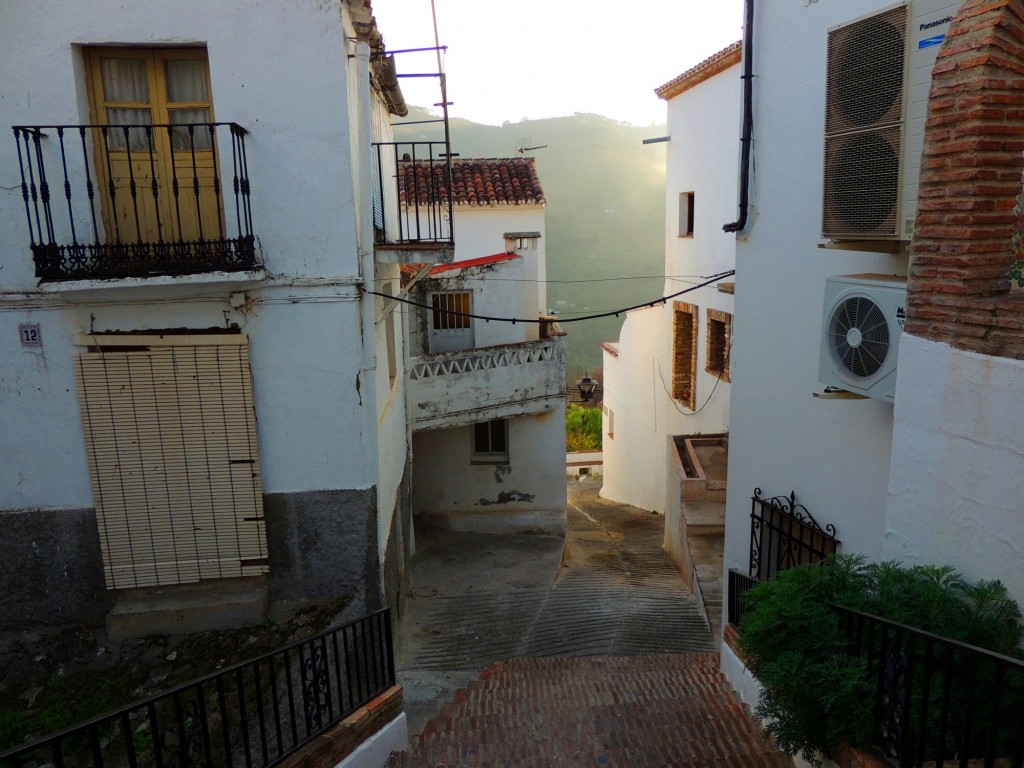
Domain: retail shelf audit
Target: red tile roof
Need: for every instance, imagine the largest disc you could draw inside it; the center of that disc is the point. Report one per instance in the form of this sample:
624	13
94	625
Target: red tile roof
410	270
487	181
711	66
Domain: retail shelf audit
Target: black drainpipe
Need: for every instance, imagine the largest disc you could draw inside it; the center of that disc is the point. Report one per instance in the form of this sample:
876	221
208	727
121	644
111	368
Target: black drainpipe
748	117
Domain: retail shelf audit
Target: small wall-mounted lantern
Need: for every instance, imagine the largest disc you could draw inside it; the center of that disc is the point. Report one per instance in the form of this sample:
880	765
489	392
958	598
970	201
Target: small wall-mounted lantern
587	386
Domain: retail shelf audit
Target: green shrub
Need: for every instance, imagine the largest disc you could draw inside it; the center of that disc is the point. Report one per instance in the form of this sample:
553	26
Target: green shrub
582	428
816	693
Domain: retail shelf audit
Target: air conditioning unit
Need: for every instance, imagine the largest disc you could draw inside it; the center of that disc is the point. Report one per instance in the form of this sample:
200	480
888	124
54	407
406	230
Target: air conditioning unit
878	76
860	333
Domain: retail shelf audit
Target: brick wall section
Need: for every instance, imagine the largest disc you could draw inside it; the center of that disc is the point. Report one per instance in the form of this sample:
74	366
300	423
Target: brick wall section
335	744
958	291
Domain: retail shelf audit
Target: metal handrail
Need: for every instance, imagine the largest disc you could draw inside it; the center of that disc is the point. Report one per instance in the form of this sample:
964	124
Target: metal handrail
256	712
938	699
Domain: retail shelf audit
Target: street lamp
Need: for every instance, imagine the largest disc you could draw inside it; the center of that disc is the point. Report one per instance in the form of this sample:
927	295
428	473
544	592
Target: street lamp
587	386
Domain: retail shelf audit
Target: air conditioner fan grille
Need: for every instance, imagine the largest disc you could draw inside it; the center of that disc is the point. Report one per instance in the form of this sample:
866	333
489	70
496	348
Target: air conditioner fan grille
865	72
858	336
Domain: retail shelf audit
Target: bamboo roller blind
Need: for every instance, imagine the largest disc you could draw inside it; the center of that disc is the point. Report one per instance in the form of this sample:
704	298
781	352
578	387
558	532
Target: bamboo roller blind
171	440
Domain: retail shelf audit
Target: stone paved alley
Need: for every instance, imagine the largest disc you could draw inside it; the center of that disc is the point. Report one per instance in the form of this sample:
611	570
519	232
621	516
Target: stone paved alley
514	652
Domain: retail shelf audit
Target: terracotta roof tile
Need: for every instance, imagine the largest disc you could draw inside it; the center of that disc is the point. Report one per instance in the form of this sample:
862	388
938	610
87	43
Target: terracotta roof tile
711	66
488	181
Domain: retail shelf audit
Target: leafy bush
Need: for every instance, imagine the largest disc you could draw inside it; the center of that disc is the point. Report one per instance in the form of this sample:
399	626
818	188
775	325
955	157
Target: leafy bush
816	692
582	428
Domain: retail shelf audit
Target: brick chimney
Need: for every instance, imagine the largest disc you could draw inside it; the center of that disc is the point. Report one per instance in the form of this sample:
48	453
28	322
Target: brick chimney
958	291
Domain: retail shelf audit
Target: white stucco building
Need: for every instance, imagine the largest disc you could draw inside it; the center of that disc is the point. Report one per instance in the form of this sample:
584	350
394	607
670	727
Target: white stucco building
668	375
925	473
197	389
486	399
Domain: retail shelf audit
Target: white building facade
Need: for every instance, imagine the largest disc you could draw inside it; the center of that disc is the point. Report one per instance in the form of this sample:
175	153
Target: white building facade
486	396
669	373
197	388
922	475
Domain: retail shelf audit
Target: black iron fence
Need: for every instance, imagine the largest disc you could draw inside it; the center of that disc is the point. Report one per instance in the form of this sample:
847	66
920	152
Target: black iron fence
784	535
939	702
109	201
739	585
252	714
416	209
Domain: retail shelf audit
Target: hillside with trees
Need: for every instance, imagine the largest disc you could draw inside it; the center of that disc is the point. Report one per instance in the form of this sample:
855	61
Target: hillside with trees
605	193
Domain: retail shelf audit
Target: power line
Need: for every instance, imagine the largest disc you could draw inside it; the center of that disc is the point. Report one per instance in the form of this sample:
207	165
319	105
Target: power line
488	278
514	320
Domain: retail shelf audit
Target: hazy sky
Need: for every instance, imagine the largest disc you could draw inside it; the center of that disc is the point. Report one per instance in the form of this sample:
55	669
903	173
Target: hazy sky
507	60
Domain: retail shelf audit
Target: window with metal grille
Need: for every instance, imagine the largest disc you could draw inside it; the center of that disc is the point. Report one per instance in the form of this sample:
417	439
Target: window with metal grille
684	353
718	343
170	435
451	310
490	441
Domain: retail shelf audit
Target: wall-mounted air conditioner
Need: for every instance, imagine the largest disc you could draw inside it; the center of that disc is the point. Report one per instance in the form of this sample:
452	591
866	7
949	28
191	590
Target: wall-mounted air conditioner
877	81
860	333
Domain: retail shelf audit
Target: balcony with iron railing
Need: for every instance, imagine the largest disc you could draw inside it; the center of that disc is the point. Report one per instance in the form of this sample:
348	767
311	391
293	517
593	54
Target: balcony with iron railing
453	389
412	203
116	201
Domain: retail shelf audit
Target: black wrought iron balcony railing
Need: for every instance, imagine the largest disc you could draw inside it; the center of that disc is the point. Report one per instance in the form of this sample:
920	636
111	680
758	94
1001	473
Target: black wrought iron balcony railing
416	209
114	201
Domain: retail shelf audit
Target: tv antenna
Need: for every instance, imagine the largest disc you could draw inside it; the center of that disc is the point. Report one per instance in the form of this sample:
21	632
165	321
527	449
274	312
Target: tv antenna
522	149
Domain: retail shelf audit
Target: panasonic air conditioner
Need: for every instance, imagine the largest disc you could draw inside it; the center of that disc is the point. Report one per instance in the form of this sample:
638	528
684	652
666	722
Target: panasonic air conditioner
860	333
878	75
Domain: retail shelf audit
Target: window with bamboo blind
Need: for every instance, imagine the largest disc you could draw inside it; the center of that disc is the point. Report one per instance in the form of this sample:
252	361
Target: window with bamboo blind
170	435
719	342
684	353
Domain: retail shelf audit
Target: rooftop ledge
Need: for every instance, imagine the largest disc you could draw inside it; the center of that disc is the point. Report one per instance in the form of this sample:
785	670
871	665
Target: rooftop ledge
120	283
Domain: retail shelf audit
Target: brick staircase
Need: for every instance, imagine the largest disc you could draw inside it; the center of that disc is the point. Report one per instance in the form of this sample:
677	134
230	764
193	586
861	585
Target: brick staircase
659	710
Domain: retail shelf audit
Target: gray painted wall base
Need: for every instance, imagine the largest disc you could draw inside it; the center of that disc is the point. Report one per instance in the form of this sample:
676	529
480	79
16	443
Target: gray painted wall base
323	544
51	574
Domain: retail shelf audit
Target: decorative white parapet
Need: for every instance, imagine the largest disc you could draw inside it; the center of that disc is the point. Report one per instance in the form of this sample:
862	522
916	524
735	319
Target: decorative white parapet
457	388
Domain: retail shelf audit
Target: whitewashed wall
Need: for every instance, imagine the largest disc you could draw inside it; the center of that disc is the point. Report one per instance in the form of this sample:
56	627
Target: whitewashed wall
479	230
299	170
304	338
702	158
833	454
498	291
445	480
955	486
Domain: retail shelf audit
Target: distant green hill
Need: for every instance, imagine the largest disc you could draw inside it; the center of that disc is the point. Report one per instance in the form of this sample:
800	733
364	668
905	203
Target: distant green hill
605	215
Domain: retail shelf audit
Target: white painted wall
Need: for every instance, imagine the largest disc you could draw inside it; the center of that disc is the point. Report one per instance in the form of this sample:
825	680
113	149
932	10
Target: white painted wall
498	291
302	197
479	230
446	480
955	485
702	158
833	454
303	321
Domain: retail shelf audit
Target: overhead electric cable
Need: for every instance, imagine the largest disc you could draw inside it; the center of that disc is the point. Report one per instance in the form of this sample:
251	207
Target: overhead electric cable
514	320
